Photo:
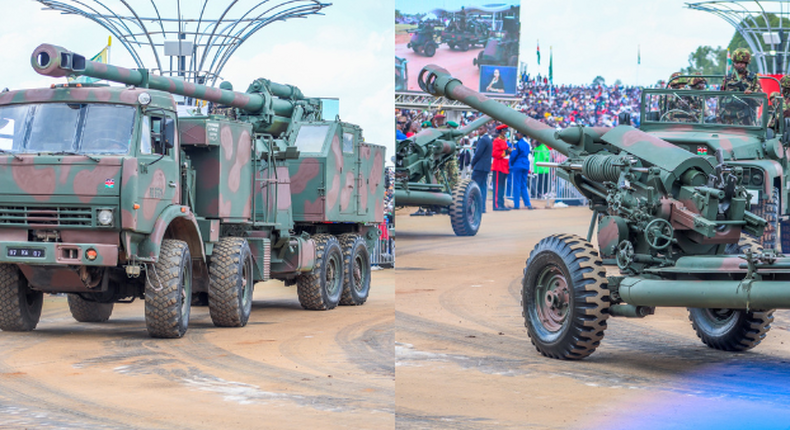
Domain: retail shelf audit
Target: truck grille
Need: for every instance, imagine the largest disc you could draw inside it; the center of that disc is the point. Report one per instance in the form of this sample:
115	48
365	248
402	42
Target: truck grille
49	216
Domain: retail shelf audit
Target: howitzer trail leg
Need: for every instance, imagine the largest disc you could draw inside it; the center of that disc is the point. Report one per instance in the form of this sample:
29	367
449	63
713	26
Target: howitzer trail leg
20	306
231	284
168	291
356	269
321	288
565	298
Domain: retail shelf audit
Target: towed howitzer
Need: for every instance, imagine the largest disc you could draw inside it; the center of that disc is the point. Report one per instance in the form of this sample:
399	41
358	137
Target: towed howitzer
670	218
421	180
110	196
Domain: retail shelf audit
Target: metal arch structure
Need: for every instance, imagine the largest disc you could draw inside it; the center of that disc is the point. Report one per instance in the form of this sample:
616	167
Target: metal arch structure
418	100
751	19
213	30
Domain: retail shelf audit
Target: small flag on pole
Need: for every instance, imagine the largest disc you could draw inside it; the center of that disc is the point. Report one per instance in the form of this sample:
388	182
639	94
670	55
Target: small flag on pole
102	57
638	54
538	52
729	63
551	65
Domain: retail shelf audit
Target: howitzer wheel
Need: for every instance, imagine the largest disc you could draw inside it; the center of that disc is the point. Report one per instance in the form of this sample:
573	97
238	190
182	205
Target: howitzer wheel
356	269
168	291
769	210
429	49
321	288
20	306
466	211
731	329
565	298
89	311
231	283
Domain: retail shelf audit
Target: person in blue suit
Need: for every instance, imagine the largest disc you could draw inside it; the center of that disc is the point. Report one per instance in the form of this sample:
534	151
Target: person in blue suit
481	163
519	169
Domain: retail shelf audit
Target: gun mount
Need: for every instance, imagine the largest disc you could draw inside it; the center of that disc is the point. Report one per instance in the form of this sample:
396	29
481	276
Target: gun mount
421	181
670	219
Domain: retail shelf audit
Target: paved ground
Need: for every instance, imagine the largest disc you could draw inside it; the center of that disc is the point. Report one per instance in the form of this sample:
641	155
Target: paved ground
288	368
464	361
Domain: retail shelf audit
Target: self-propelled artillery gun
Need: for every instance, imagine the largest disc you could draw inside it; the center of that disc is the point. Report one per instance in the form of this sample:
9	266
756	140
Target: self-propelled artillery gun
107	195
671	220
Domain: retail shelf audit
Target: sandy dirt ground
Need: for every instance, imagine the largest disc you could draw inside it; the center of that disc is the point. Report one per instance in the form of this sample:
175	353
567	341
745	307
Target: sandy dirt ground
458	62
288	368
464	361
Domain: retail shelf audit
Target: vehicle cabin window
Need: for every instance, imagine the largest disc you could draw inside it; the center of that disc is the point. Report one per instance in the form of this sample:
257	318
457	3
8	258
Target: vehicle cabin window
12	127
54	127
348	143
157	135
311	138
145	137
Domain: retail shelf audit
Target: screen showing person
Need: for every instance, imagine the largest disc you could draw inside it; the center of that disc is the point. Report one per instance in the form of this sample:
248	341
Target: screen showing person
498	79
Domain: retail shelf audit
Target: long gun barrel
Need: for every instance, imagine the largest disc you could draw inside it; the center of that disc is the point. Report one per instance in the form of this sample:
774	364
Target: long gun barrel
263	97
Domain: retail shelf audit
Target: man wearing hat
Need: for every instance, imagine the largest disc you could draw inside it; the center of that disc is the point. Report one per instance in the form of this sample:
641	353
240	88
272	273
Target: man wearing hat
481	163
500	167
438	120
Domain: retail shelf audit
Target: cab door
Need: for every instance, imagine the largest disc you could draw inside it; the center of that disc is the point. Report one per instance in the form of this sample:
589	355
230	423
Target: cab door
158	173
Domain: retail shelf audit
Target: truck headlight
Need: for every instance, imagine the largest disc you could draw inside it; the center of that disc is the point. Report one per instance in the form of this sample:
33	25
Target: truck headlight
105	217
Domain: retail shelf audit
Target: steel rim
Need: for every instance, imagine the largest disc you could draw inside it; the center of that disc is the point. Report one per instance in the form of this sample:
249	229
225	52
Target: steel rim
246	290
332	279
720	318
359	273
472	211
552	299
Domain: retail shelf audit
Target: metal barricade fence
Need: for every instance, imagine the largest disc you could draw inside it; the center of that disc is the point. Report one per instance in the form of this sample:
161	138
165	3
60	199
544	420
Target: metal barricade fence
384	251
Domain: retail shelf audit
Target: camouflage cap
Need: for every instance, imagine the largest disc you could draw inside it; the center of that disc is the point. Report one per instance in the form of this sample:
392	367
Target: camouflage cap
697	80
785	82
674	81
741	55
774	94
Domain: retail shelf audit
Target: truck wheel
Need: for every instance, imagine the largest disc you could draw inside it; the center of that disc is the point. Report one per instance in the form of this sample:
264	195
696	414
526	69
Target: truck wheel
731	329
463	46
429	49
769	210
20	306
231	284
168	291
466	210
320	289
87	311
356	270
565	297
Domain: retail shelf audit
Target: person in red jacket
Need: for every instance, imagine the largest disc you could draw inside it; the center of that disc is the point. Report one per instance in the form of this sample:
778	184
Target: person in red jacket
500	167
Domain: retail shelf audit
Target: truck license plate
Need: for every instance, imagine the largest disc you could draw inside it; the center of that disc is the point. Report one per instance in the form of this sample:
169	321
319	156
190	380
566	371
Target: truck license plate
25	252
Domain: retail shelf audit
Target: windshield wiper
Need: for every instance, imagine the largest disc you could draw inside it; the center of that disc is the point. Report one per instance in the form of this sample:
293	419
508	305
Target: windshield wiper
5	151
75	153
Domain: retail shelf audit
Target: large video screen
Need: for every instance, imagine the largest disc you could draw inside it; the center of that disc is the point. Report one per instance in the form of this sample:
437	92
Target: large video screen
476	40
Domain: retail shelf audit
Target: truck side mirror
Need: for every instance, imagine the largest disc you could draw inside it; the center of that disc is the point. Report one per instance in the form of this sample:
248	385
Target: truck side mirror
170	132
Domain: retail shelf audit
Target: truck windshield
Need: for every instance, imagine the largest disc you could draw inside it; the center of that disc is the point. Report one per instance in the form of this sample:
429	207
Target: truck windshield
311	138
66	128
705	107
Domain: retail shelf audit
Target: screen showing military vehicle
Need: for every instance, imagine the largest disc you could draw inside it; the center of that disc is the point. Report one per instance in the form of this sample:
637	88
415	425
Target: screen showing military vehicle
463	36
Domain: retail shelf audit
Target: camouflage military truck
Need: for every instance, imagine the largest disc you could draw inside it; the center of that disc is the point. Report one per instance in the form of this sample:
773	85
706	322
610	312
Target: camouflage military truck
462	34
108	196
731	123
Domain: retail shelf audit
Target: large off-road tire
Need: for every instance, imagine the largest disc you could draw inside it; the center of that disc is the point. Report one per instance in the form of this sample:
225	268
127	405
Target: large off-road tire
321	288
565	298
769	210
168	291
356	269
429	49
231	283
88	311
466	211
730	329
20	306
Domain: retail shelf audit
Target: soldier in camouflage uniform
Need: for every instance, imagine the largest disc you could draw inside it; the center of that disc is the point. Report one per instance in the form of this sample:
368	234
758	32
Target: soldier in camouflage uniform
678	107
739	111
